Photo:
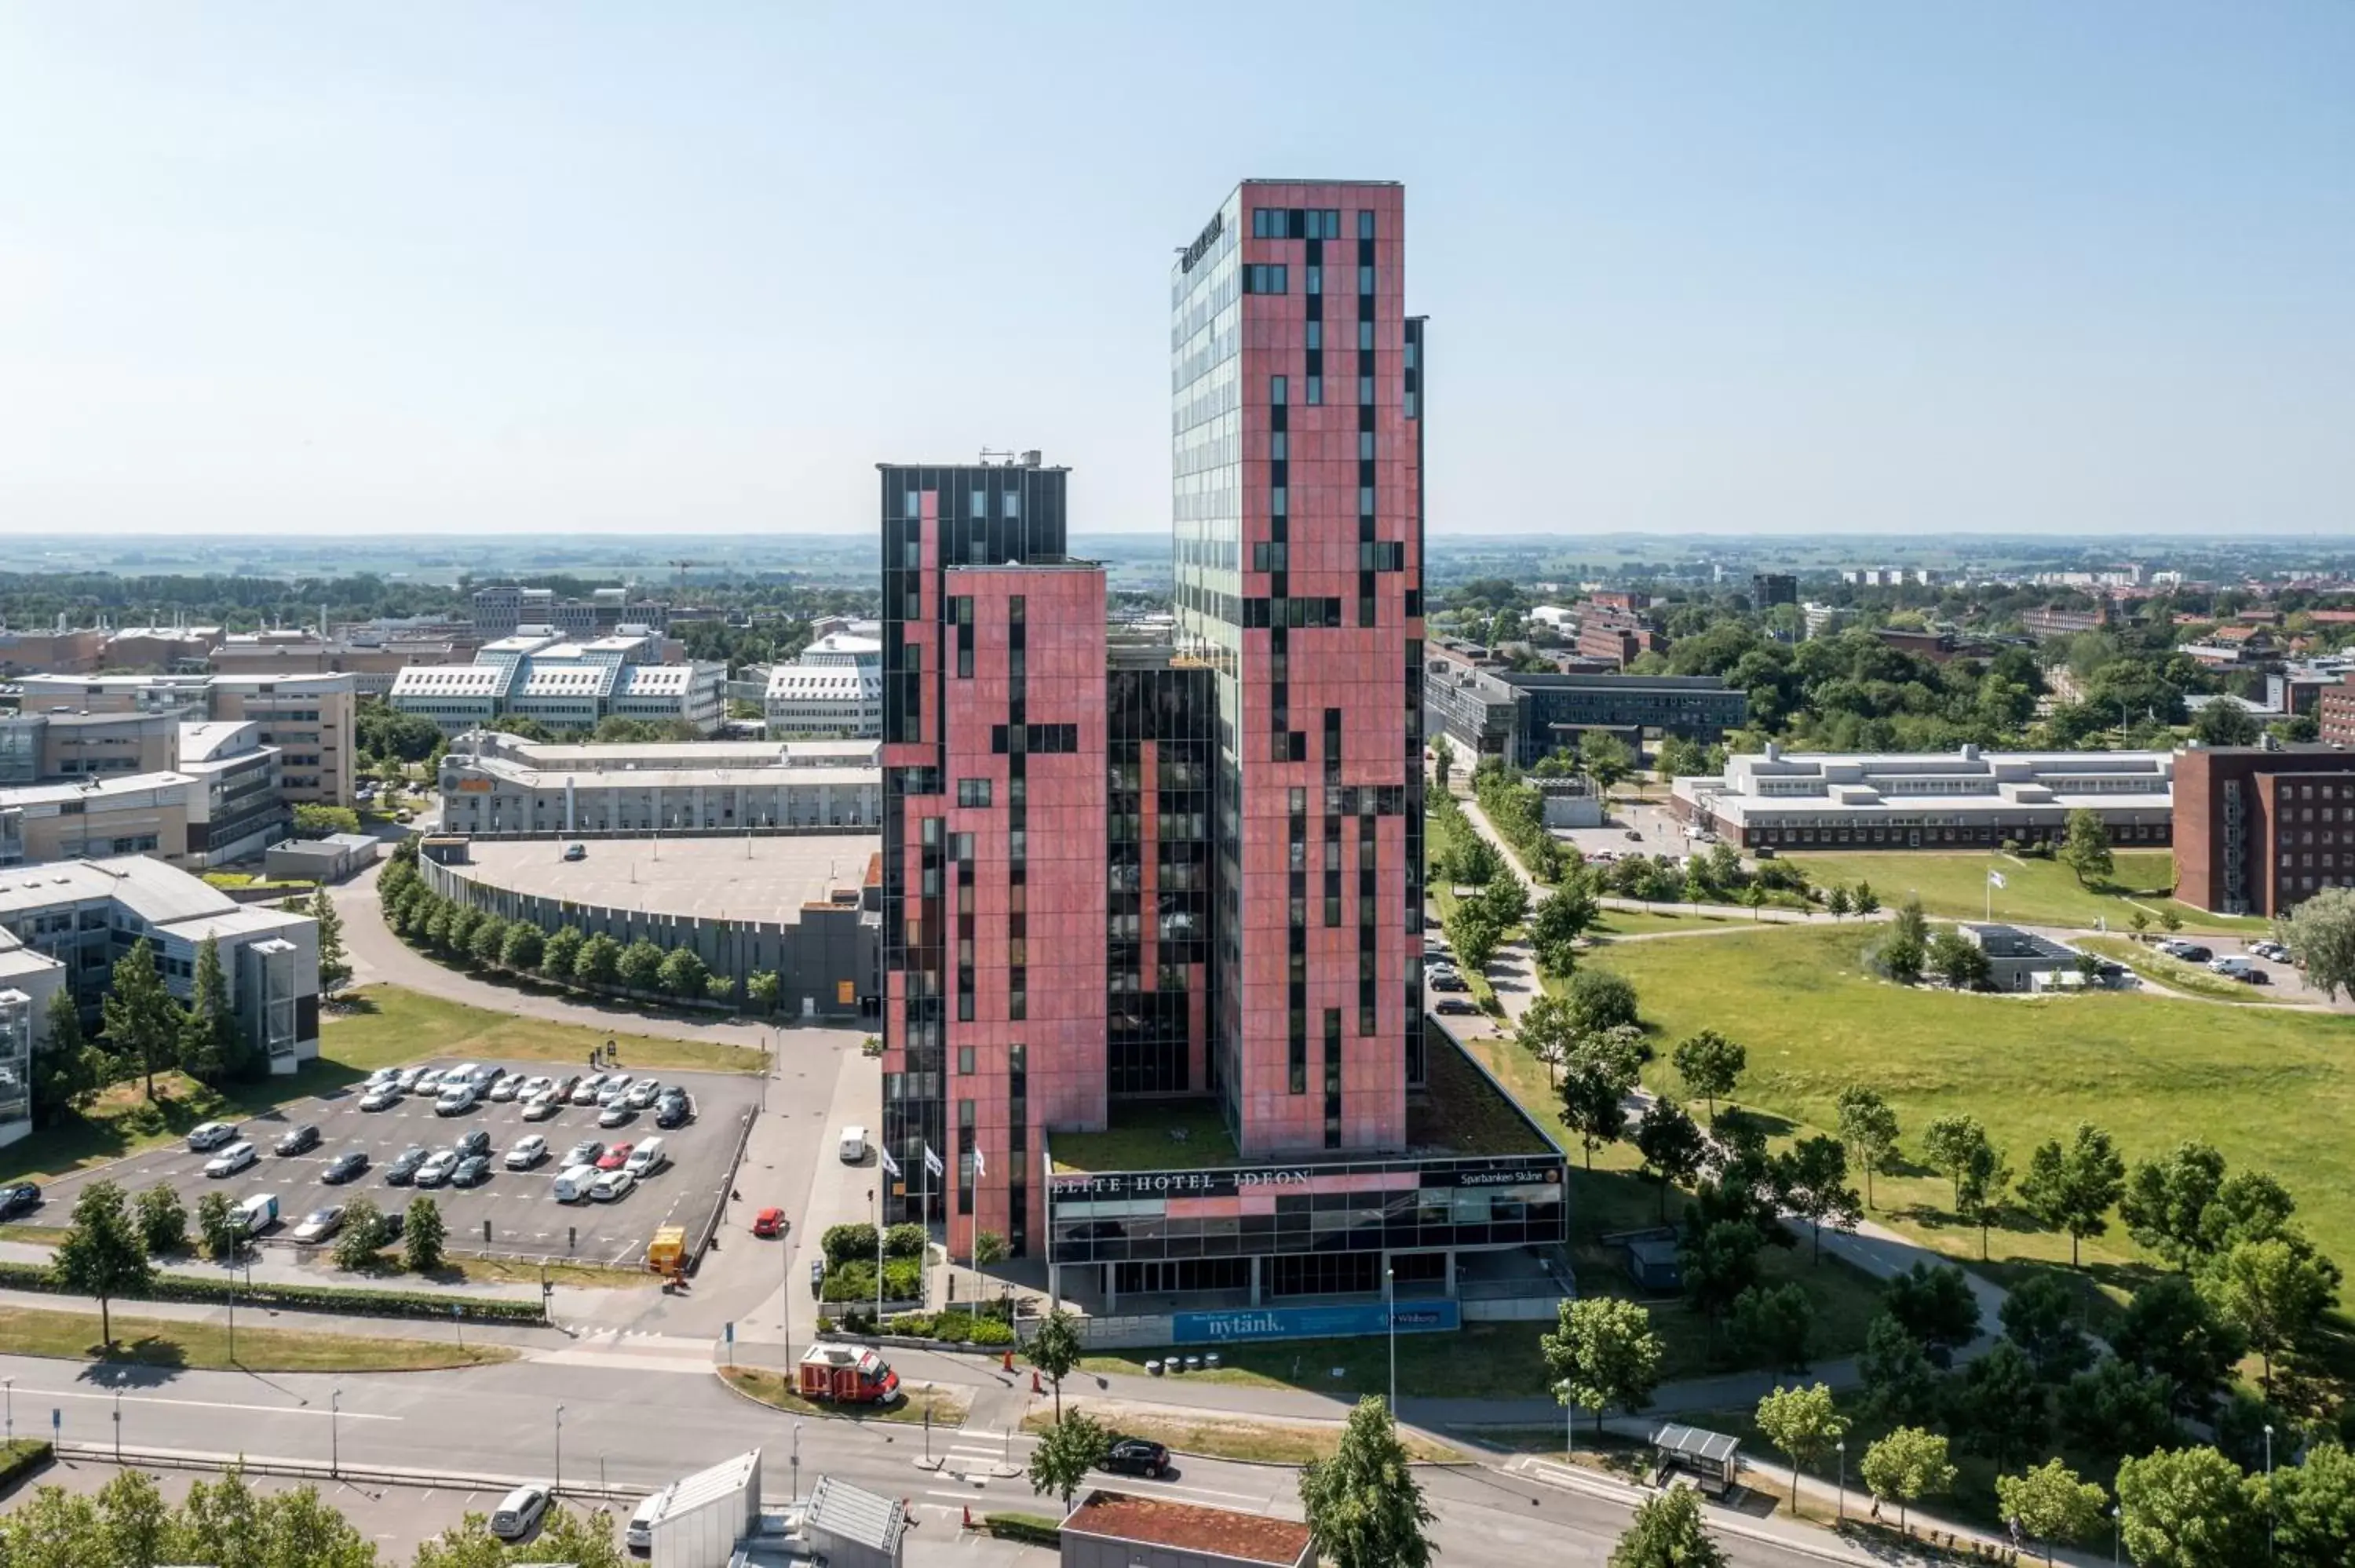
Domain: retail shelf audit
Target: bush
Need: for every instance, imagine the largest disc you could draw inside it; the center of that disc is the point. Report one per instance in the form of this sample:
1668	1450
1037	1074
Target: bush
905	1241
359	1302
993	1331
21	1458
850	1243
853	1282
163	1220
1028	1528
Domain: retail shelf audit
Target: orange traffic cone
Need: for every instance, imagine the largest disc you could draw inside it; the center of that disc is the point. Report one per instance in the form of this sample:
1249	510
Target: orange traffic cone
968	1519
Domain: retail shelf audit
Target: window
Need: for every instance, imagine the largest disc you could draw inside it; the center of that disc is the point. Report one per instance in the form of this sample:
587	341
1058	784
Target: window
1365	226
1365	279
1316	279
1315	335
1365	446
1276	497
1279	446
1365	389
1315	390
1365	340
1275	390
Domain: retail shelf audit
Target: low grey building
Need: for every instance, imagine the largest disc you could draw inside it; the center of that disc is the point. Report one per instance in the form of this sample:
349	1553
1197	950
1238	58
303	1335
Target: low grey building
1522	717
2017	959
331	859
1114	1530
850	1527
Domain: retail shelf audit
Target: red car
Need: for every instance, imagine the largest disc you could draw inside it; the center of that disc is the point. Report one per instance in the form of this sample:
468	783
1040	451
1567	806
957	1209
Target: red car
769	1223
615	1158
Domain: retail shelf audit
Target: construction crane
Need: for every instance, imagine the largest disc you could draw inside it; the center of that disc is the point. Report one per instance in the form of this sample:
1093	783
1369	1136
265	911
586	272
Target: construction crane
681	567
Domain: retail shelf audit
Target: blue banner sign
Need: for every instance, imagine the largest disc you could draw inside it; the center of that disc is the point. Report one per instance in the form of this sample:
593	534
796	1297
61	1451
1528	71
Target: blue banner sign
1312	1323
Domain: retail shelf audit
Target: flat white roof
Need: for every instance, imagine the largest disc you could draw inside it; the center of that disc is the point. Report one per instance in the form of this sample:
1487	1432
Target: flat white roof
112	787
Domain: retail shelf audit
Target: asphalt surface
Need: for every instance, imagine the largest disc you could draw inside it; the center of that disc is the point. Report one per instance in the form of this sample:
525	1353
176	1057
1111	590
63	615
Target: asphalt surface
520	1206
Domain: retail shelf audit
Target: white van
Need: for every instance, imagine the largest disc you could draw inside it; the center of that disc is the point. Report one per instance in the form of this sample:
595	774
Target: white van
2231	964
572	1186
640	1536
255	1215
647	1158
854	1145
518	1512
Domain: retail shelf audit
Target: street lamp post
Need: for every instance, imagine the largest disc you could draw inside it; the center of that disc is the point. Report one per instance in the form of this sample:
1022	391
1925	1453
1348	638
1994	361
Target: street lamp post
334	1447
118	1426
11	1384
2269	1491
1389	1315
1842	1506
797	1461
558	1484
2117	1533
1569	1419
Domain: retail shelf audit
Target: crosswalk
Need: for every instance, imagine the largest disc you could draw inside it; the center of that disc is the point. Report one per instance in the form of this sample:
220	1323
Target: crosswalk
631	1350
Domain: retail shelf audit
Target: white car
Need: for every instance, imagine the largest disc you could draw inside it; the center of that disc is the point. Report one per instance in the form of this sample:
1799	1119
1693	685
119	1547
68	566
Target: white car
210	1135
526	1151
531	1089
382	1076
506	1087
585	1092
231	1160
642	1092
612	1185
457	1097
613	1089
436	1169
646	1159
542	1106
422	1080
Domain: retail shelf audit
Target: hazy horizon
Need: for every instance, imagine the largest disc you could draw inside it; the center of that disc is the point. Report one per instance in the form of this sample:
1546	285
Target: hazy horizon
1847	272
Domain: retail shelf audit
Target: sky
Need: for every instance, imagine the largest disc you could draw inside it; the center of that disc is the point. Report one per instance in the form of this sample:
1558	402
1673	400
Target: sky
596	267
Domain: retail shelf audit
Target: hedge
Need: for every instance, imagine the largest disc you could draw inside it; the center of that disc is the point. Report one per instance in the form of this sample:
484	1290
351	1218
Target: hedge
954	1326
21	1458
360	1302
1034	1528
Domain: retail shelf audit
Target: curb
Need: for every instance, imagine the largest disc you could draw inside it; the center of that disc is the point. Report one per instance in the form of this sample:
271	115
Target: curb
265	1464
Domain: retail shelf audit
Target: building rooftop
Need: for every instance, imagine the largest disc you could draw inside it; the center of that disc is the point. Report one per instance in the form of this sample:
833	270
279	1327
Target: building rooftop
1191	1527
158	893
853	1513
756	878
214	739
113	787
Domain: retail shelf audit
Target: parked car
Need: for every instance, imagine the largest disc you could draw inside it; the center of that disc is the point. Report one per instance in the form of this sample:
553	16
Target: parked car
2253	976
646	1159
526	1151
231	1160
417	1080
562	1085
518	1513
572	1183
613	1089
437	1168
345	1166
1136	1456
210	1135
18	1197
853	1148
673	1111
507	1086
642	1092
472	1143
384	1097
584	1093
1452	1005
404	1165
534	1086
1447	982
770	1222
587	1151
458	1097
612	1186
300	1141
616	1115
472	1171
380	1077
254	1214
2193	953
542	1106
612	1159
576	852
319	1224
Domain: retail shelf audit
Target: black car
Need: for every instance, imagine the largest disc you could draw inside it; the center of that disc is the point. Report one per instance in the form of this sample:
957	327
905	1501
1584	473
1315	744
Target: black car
1136	1456
302	1141
474	1145
404	1165
671	1111
388	1224
471	1171
2254	977
1453	1004
17	1198
345	1166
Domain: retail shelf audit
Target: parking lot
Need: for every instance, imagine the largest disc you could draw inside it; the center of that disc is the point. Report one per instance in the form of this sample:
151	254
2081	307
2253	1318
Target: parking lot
520	1208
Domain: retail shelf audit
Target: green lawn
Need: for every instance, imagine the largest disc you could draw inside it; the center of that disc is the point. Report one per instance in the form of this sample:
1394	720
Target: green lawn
380	1026
1645	923
2272	1088
2035	891
173	1342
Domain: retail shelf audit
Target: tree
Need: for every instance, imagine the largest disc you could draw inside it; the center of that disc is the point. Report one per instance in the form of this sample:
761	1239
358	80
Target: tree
362	1236
522	949
1505	900
1803	1423
210	1045
217	1226
1869	1128
316	821
2052	1504
335	965
1365	1507
1812	1177
2223	721
1900	1383
1952	1142
1754	898
2039	1316
1710	1065
102	1255
2170	1330
2115	1409
2085	849
1865	900
2139	922
1981	1195
1595	1080
2320	935
1442	763
561	952
1935	1305
1545	1033
2169	921
1605	1350
684	973
421	1237
488	940
2188	1508
2072	1188
1835	902
1907	1464
1605	758
1901	952
1718	1264
2249	1206
599	961
2274	1292
142	1022
68	1070
760	987
1957	961
1775	1326
2312	1506
2166	1200
163	1220
1565	916
1055	1349
1600	1000
719	988
226	1520
1474	936
2000	1409
1670	1144
1667	1532
1065	1453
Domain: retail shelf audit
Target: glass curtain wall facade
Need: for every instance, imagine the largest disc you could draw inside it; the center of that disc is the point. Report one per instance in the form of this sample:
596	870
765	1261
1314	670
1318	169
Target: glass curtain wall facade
1162	719
1298	547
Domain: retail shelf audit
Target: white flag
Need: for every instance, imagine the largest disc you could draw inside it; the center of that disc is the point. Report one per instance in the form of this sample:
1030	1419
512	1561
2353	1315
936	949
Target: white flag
933	1162
1994	879
980	1166
888	1163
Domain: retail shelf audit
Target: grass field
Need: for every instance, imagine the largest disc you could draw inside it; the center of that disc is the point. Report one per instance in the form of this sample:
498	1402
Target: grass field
380	1026
947	1405
2036	892
2274	1088
175	1342
1230	1438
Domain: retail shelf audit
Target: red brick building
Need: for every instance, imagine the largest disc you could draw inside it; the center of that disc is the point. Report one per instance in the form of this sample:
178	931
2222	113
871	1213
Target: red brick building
2257	829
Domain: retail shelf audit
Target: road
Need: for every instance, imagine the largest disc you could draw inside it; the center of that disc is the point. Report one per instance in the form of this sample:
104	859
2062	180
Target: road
640	1419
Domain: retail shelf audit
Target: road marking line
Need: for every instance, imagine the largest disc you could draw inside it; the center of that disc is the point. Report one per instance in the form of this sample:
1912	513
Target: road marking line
210	1405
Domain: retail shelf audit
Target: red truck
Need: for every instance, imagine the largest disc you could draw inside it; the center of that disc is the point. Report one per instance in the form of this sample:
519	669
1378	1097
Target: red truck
847	1375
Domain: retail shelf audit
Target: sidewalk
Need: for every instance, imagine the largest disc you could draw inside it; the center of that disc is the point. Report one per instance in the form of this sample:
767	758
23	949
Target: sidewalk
286	1266
524	1336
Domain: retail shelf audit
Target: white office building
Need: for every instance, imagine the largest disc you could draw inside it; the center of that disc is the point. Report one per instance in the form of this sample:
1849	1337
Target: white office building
566	685
494	785
834	690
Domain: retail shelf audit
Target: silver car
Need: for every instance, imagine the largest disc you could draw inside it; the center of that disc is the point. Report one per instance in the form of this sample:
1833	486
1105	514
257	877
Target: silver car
643	1093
